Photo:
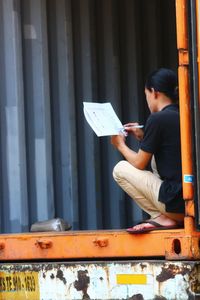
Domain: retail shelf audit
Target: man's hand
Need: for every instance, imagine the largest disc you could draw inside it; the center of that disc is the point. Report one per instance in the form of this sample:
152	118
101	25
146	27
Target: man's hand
138	133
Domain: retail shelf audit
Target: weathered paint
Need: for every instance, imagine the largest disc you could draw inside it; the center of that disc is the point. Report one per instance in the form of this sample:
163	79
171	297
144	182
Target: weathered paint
100	280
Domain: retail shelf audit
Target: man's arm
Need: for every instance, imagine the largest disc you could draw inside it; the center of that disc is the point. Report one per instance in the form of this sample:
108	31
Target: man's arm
138	159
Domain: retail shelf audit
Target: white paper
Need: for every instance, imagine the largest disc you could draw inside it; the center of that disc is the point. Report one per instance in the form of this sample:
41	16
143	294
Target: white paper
102	118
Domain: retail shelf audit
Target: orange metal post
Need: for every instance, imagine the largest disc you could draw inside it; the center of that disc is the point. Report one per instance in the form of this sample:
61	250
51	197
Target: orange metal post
182	32
185	117
185	123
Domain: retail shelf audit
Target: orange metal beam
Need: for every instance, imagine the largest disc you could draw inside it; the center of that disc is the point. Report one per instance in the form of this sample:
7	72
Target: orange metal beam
174	244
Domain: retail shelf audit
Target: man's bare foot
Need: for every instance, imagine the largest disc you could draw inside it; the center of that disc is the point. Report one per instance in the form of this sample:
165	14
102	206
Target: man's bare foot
160	222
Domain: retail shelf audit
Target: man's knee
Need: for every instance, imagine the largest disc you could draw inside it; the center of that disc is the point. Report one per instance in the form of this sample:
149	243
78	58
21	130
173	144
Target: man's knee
119	168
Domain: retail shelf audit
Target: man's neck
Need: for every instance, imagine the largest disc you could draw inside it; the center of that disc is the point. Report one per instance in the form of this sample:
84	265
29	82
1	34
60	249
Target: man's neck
163	103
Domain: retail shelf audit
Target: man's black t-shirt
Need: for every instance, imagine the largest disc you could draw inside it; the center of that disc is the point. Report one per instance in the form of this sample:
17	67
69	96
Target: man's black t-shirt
162	139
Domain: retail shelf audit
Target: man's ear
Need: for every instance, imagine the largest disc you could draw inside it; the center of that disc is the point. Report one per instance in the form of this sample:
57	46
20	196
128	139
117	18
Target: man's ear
155	93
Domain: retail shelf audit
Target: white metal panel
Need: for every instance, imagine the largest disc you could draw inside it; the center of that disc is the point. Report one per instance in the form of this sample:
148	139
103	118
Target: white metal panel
146	280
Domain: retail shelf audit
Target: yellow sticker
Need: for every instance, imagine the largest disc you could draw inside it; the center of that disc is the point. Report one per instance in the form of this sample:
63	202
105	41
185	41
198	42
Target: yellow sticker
131	279
19	285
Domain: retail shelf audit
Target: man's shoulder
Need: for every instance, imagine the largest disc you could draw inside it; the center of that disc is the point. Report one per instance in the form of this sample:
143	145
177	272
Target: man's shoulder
154	117
165	113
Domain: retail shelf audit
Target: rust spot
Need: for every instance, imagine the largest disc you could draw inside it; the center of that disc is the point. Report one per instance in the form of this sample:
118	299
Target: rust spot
82	283
195	280
136	297
2	245
43	244
60	276
170	271
101	242
143	266
52	276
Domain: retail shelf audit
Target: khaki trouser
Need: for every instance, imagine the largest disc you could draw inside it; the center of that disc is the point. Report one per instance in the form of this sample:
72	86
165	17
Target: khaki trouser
143	186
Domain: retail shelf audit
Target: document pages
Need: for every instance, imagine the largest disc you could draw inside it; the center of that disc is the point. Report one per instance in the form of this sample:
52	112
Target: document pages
102	118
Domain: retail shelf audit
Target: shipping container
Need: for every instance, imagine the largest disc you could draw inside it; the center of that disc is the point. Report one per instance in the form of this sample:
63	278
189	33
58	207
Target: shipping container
43	137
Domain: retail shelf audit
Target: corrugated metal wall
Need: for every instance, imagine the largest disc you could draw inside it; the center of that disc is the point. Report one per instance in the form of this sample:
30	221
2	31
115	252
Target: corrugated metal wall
54	55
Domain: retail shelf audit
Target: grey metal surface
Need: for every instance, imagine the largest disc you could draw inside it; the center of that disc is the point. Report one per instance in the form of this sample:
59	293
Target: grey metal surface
195	106
54	55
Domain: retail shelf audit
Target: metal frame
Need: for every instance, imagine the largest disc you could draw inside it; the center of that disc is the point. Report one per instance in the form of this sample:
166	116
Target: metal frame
169	244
